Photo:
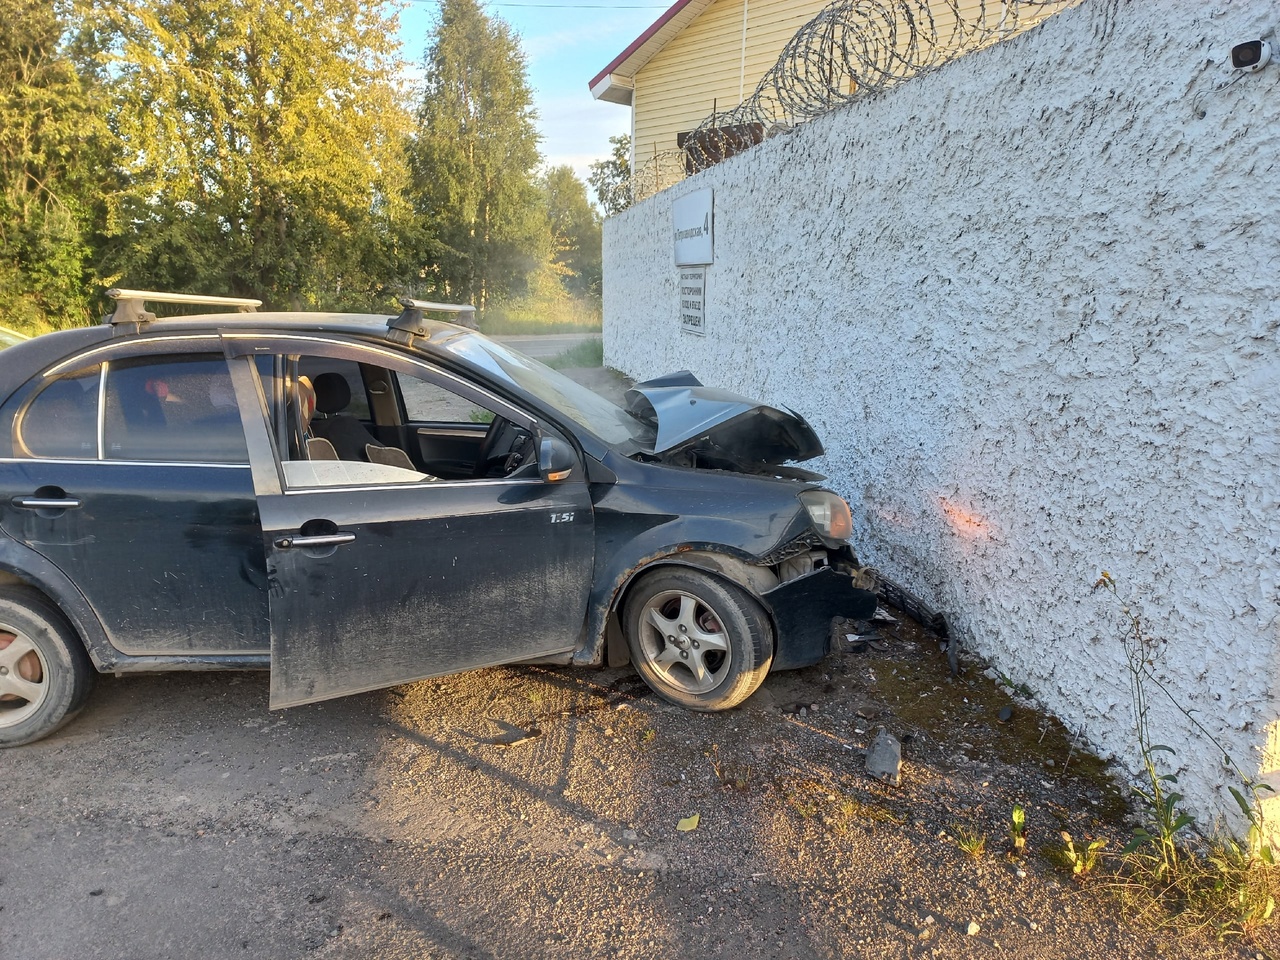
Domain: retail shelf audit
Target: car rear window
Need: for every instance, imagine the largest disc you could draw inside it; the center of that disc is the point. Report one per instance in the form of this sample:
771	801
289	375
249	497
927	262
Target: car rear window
172	409
62	421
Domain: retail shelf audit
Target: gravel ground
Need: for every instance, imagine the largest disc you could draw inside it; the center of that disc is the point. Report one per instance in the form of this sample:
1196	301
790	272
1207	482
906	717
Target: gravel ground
535	812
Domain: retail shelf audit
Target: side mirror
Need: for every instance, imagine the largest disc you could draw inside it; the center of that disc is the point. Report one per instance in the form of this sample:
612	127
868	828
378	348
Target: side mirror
556	459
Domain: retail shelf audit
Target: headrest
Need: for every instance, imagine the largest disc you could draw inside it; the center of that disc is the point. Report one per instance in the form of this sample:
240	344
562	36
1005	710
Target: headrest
306	399
333	393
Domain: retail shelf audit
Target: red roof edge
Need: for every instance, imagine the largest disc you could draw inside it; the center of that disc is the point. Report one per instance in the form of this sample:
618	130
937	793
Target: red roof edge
639	42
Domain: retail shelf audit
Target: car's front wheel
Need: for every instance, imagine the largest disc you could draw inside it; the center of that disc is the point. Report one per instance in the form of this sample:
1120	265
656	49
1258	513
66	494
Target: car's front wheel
45	674
697	641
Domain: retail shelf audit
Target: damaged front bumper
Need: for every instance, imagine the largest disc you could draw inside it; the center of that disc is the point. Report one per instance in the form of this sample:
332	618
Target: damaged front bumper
803	608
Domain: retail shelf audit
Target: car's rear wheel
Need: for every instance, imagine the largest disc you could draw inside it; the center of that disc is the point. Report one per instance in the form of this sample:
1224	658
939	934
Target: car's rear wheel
697	641
45	674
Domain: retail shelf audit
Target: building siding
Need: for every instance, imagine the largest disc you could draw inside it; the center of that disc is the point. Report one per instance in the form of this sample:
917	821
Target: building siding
676	90
701	69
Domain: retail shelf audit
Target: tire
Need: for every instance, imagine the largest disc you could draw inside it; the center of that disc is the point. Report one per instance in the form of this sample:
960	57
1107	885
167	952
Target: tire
46	681
697	641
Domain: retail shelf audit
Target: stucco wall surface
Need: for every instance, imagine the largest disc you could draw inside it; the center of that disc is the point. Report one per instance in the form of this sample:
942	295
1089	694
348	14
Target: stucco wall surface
1031	302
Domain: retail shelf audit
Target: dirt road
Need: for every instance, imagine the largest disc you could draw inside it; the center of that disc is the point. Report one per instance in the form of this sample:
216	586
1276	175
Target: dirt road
534	812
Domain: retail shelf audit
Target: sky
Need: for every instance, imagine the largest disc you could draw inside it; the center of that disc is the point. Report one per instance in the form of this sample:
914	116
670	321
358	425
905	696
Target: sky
566	44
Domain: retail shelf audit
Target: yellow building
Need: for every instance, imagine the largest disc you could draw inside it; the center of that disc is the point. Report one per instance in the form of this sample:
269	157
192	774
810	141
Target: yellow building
705	57
700	56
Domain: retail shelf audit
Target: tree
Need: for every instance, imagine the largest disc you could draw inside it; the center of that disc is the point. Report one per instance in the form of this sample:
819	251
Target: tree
575	231
53	145
474	157
611	178
264	146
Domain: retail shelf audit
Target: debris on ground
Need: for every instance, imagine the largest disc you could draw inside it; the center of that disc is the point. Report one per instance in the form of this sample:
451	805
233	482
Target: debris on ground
884	758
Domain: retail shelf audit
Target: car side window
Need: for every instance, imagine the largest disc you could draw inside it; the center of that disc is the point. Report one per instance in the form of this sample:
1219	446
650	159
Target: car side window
426	402
62	420
416	431
355	396
172	409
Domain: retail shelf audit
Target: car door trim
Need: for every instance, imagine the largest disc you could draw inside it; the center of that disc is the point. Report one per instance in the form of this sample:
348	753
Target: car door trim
139	347
264	461
221	465
418	485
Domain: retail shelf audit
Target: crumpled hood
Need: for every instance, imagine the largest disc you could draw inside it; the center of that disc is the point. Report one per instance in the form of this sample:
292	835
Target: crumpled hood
709	422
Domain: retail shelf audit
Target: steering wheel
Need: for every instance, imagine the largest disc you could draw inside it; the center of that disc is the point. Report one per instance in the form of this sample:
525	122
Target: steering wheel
496	446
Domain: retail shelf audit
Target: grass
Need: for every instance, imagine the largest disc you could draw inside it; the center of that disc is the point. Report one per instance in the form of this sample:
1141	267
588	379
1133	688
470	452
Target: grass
542	315
1222	888
1226	884
589	353
837	806
971	840
730	774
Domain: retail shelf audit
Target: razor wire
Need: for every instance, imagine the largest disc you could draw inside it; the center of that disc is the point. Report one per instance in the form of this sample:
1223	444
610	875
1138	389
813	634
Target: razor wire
851	50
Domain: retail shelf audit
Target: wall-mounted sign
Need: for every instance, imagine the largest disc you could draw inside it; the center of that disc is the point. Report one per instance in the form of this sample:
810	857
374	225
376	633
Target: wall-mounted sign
693	299
693	219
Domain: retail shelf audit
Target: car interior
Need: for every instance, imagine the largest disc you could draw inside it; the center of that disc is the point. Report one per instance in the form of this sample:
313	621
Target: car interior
358	413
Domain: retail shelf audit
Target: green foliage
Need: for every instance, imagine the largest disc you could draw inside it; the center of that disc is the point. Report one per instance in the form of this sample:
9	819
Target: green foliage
588	353
53	151
1157	840
971	840
611	178
545	307
1018	830
529	316
575	232
473	157
268	148
1081	860
1225	885
263	146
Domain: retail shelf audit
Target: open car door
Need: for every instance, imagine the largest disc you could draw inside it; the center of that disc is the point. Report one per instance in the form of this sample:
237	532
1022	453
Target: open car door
383	575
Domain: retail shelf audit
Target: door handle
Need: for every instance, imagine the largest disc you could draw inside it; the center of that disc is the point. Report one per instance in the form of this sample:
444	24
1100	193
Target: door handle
45	503
325	540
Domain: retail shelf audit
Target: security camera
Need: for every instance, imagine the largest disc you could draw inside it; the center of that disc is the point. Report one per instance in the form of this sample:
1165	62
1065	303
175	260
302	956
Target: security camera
1250	56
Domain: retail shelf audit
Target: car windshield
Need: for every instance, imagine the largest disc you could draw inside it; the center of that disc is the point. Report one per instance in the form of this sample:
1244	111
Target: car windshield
588	409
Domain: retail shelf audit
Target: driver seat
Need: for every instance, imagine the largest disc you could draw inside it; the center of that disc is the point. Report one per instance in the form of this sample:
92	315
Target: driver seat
345	437
350	437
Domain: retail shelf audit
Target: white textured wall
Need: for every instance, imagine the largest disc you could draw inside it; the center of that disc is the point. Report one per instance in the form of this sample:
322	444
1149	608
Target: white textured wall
1032	305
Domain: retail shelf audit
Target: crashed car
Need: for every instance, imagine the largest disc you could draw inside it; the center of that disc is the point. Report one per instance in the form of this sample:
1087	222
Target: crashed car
354	502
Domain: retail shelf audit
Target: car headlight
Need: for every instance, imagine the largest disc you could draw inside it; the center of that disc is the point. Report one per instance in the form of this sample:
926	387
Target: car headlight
829	513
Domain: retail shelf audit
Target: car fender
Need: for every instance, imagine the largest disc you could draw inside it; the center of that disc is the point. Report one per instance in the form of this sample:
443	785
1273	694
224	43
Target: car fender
724	561
24	565
753	578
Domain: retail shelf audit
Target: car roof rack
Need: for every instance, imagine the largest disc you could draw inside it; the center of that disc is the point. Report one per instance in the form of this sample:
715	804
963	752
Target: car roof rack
130	306
412	323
